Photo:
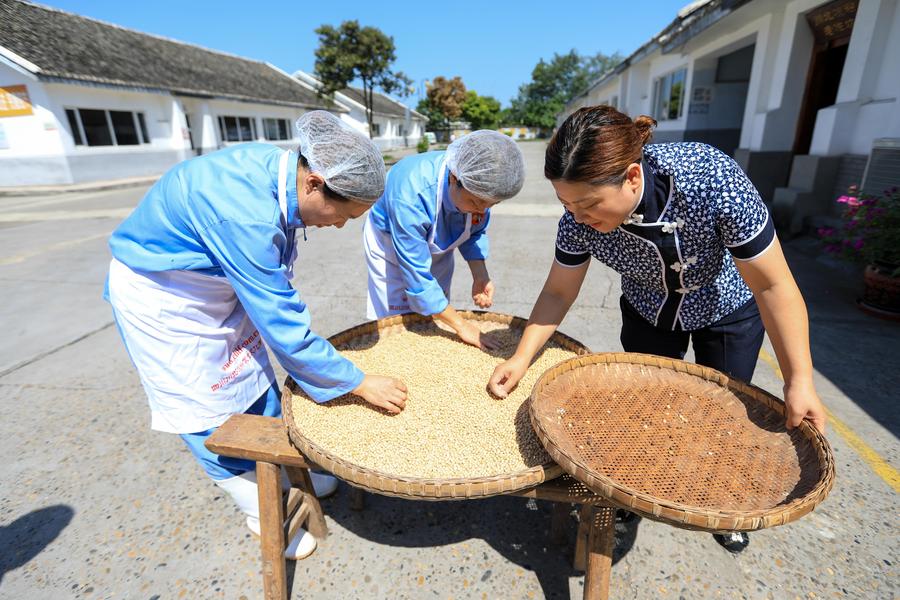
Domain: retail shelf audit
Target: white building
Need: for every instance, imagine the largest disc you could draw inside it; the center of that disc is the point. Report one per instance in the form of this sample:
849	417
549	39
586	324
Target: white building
803	93
394	125
82	100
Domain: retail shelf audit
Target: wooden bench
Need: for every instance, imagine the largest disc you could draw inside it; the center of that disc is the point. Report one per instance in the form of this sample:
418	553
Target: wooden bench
265	440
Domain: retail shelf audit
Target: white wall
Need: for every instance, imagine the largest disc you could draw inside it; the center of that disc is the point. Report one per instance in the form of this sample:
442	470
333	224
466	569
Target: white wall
35	134
867	104
227	108
43	151
163	127
35	150
387	136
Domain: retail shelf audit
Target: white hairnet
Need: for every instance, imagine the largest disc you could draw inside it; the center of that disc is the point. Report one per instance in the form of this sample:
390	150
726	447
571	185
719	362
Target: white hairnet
350	163
488	164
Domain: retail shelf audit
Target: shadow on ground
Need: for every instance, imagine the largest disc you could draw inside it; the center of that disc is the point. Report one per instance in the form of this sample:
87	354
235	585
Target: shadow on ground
855	351
517	528
27	536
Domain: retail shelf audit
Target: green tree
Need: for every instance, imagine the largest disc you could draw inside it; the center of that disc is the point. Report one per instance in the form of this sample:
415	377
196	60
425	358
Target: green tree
482	112
554	83
436	119
353	52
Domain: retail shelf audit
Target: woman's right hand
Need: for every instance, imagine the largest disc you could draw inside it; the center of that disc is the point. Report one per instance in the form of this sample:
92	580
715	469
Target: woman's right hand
384	392
506	376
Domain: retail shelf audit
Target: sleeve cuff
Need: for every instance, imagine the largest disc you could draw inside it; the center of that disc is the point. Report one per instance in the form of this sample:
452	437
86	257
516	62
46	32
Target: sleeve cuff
321	395
755	245
569	259
429	301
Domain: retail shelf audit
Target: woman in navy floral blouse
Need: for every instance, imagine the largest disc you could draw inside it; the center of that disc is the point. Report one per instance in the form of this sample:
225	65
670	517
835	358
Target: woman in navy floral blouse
696	249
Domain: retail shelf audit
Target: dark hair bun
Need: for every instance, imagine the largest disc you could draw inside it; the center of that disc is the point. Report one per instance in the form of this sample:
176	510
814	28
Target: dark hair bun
645	126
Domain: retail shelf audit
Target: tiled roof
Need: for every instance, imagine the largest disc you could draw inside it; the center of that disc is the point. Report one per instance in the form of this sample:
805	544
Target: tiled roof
65	46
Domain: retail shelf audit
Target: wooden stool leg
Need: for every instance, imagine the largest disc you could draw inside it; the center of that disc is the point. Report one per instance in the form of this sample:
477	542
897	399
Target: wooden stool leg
271	531
558	522
316	522
581	538
601	541
357	498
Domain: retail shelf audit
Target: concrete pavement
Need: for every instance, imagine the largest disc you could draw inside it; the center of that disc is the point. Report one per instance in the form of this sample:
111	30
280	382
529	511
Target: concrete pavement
95	505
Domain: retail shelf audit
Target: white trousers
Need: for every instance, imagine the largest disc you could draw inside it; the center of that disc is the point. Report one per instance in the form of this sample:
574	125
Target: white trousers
387	286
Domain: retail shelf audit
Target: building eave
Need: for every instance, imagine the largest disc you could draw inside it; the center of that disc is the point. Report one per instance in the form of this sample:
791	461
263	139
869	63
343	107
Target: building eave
69	79
688	24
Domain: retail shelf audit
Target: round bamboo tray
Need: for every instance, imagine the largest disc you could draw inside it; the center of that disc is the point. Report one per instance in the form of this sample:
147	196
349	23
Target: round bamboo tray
680	443
410	487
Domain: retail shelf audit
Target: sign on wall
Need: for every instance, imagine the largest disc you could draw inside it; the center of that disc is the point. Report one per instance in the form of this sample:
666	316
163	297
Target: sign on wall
14	101
834	20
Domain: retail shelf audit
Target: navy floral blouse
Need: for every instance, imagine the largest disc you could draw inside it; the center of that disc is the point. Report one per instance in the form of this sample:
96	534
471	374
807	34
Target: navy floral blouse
698	213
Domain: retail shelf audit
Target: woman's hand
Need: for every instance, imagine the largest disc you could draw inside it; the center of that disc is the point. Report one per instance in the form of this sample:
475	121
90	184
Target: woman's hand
506	376
384	392
483	292
803	403
470	334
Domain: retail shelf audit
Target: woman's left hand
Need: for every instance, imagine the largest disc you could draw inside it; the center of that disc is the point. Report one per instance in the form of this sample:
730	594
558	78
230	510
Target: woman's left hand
483	292
803	403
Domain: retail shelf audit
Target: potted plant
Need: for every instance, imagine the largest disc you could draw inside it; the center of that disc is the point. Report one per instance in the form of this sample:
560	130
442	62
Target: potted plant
870	235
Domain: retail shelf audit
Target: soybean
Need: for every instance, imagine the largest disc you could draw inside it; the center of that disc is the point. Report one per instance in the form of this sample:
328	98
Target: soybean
452	426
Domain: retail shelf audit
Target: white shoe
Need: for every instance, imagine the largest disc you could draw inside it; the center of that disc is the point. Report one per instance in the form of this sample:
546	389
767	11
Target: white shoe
302	544
323	485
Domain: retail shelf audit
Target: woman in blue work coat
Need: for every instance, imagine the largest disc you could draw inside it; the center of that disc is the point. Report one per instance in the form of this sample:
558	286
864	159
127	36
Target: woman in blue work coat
434	203
200	278
696	249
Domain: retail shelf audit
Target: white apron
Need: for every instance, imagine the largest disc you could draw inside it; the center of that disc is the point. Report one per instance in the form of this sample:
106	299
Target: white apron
199	356
387	287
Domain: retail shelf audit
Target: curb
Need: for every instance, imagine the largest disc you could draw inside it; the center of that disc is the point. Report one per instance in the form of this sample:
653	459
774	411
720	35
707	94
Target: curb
96	186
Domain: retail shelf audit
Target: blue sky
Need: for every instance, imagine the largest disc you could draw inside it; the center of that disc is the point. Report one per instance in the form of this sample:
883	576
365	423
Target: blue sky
492	45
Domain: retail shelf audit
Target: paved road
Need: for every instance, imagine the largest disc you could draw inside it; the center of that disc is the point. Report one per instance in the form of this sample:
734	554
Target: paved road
95	505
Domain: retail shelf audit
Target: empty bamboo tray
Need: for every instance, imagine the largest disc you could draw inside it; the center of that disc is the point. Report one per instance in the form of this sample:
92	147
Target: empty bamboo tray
680	443
359	451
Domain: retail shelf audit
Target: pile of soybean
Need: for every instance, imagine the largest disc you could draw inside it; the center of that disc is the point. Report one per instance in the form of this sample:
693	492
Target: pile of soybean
452	426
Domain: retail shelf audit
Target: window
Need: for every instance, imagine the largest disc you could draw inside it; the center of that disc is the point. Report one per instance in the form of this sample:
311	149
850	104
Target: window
124	127
376	129
668	96
237	129
276	129
95	127
400	131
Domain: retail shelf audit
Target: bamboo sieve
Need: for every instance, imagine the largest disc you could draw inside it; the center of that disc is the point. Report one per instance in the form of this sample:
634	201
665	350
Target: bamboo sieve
680	443
408	486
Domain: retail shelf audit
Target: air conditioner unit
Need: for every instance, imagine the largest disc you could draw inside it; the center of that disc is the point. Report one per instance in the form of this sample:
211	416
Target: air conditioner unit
883	168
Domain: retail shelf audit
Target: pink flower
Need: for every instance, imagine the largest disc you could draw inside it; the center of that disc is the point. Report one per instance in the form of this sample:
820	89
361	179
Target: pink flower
858	244
851	200
826	231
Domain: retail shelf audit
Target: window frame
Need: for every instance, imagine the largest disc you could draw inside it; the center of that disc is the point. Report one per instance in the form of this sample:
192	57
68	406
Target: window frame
220	120
79	135
661	107
280	125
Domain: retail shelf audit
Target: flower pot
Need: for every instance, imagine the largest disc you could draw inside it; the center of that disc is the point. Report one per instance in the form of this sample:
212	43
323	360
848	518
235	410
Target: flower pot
881	295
